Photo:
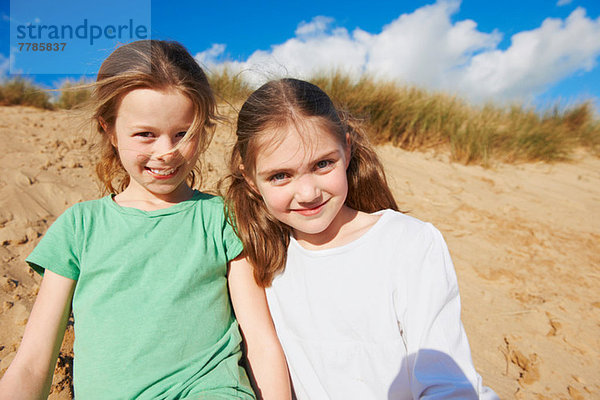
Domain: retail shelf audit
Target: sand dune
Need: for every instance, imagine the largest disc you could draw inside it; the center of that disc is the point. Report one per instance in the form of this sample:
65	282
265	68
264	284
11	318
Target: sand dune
524	239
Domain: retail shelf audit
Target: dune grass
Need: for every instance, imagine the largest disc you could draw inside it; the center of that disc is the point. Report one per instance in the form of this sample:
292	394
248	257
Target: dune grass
73	93
229	87
21	91
408	117
413	118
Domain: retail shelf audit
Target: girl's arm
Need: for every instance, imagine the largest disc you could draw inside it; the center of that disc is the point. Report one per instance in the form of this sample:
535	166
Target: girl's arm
267	361
440	357
29	376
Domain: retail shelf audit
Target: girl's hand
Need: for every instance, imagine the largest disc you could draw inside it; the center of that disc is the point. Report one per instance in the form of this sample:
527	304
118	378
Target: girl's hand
265	355
29	376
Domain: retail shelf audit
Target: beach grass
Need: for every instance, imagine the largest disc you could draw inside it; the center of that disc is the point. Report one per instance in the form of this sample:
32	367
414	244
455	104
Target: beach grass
413	118
229	87
23	92
405	116
73	93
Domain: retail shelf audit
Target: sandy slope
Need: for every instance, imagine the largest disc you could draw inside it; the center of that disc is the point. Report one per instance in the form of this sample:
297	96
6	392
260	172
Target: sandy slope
524	239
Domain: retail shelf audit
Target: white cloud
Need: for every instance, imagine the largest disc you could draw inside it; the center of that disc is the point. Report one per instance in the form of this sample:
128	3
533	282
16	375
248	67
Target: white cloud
316	47
429	49
561	3
535	59
318	25
425	48
322	49
211	56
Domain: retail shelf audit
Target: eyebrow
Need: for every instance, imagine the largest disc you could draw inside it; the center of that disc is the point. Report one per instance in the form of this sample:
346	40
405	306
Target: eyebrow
274	171
151	128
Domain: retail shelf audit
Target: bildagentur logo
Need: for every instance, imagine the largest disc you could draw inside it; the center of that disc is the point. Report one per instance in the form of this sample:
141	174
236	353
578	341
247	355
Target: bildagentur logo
72	36
84	31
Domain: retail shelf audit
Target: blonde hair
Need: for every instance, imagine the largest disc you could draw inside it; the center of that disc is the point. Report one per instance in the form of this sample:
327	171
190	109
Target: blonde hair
278	104
149	64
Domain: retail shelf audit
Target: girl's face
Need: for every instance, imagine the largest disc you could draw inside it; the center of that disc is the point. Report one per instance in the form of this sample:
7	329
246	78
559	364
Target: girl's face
149	124
302	179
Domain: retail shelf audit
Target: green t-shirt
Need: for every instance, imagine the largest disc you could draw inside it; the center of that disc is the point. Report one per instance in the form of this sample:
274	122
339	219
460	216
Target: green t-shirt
152	313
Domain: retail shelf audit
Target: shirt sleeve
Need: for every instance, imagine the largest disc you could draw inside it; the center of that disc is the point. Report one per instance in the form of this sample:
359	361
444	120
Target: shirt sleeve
233	244
439	357
58	250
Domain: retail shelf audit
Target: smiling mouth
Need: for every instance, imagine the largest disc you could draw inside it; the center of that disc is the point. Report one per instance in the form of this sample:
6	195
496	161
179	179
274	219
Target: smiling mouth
162	173
307	212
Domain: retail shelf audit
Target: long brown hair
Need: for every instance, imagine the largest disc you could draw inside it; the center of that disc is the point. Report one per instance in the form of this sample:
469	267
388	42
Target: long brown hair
150	64
278	104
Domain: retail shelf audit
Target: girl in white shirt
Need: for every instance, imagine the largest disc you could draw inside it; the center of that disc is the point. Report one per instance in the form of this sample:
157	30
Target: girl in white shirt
364	298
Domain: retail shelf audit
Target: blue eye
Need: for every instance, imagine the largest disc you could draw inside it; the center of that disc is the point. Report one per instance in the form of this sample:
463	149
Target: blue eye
278	177
324	164
144	134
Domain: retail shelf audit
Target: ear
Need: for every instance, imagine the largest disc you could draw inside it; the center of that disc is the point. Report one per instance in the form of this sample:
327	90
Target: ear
103	124
111	136
249	180
348	149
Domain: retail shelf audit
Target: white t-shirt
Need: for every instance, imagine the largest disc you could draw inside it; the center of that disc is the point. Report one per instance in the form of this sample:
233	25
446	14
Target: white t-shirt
377	318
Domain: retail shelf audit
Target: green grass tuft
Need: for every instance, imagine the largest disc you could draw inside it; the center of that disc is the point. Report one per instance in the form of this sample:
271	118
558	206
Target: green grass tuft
413	118
229	87
405	116
22	92
73	93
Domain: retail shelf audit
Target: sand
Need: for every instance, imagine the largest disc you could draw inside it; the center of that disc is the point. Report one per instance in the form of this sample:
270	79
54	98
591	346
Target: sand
524	240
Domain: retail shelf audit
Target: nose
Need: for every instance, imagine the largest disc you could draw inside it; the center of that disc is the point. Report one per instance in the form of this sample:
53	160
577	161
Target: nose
164	148
307	189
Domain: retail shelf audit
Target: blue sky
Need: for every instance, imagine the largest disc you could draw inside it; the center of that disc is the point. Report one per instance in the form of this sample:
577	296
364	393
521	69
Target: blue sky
531	51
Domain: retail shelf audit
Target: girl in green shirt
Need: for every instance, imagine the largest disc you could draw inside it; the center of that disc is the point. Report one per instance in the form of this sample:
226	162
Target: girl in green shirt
146	269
